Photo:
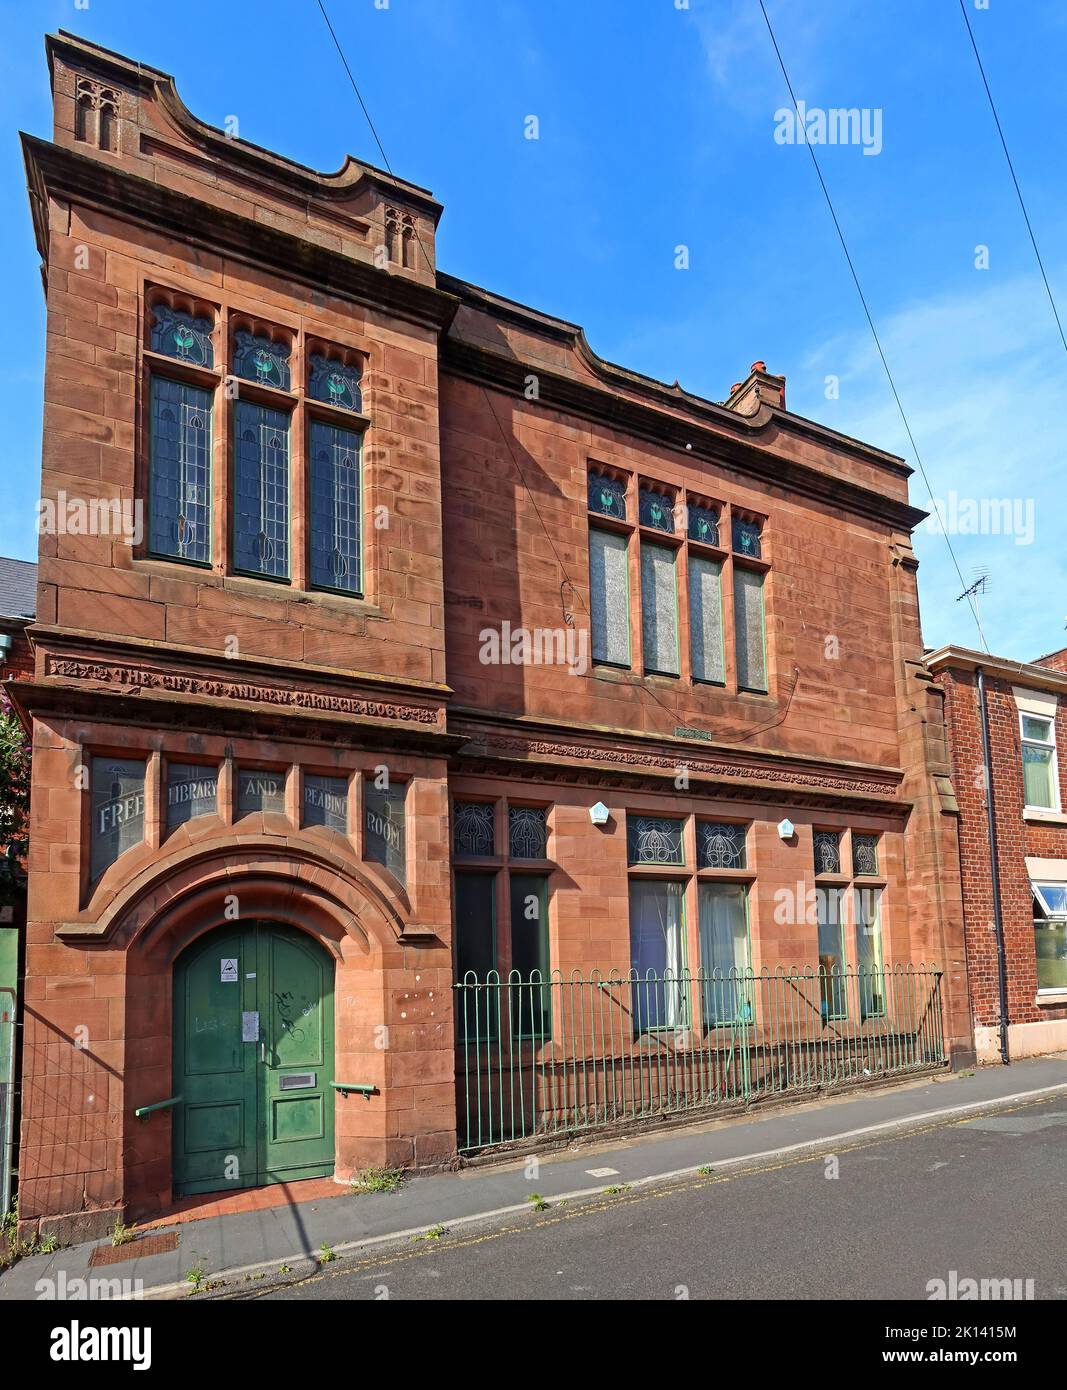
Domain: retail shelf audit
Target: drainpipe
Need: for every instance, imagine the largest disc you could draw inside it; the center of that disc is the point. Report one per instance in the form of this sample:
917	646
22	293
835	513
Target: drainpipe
998	921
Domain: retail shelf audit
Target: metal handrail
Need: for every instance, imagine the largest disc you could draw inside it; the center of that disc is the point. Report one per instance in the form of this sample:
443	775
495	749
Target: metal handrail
143	1112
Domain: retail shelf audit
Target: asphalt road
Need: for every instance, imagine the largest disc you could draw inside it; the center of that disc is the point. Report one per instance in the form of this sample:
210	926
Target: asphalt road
986	1198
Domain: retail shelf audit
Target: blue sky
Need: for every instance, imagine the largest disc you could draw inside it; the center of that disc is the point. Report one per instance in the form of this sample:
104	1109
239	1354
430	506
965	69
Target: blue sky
657	130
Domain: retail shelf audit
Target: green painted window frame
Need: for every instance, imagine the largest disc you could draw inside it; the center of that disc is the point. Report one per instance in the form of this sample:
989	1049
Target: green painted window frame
516	882
745	1018
826	977
476	1036
638	980
866	995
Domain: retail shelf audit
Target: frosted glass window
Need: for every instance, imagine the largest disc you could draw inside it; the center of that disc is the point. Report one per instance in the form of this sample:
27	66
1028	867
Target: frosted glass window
748	629
705	619
192	790
326	801
609	597
260	791
383	826
659	609
117	810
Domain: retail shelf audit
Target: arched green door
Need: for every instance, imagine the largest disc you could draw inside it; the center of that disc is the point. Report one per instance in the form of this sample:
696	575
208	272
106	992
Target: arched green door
253	1059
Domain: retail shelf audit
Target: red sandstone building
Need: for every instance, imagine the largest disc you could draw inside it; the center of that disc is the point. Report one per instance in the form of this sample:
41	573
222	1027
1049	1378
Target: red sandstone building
1007	728
387	636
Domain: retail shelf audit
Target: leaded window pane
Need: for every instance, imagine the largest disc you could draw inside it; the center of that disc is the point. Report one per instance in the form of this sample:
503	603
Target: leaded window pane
334	383
335	508
180	471
474	829
607	495
746	537
326	802
720	846
749	630
827	845
117	794
384	826
654	840
659	609
259	359
261	512
182	336
705	619
192	790
864	854
703	524
260	791
656	509
609	597
527	832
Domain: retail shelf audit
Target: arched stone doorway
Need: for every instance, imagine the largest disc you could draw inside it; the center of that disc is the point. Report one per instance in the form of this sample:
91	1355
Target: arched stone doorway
253	1059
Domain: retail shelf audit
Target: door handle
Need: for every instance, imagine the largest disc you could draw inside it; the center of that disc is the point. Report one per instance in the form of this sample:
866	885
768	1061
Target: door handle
262	1051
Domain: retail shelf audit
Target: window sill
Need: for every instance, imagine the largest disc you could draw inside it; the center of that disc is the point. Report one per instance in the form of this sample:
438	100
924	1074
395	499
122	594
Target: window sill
1051	998
1037	816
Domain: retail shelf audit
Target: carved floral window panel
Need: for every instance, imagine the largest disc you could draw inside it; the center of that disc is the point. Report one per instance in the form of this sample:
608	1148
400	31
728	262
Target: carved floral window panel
827	847
703	524
336	508
179	485
746	537
384	826
474	828
181	336
607	495
117	810
864	854
334	383
527	832
749	631
659	609
655	509
192	790
261	476
259	359
609	597
705	619
720	845
654	840
326	801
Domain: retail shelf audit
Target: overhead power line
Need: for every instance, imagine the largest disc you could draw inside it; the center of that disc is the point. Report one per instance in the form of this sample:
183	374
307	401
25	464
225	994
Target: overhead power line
870	319
1015	181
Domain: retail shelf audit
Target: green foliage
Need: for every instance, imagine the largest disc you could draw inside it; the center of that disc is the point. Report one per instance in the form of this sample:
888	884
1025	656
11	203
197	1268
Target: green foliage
14	801
120	1234
326	1254
378	1180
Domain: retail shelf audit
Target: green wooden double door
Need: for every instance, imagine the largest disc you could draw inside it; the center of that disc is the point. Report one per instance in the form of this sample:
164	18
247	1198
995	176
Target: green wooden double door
253	1059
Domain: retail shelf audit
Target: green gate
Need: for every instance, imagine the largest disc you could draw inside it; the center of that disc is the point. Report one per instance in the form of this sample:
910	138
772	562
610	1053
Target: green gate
253	1059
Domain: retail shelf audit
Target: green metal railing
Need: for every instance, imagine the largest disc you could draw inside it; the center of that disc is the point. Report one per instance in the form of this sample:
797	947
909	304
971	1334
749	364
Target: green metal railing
538	1057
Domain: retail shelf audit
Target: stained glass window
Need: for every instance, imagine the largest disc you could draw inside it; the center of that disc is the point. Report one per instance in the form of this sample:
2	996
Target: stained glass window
474	828
334	383
180	467
260	791
749	629
654	840
258	359
607	495
703	524
117	792
705	619
656	509
609	597
384	826
261	512
192	790
182	336
864	854
746	537
335	508
720	846
527	832
326	802
827	847
659	609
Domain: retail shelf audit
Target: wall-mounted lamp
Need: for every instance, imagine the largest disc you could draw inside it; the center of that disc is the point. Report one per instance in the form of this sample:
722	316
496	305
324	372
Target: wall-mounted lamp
786	829
599	814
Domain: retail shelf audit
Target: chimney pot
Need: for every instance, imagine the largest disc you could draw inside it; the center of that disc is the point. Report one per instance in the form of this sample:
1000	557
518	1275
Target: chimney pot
759	366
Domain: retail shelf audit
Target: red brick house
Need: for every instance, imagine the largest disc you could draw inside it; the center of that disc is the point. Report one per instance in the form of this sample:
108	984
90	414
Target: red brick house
387	635
1010	780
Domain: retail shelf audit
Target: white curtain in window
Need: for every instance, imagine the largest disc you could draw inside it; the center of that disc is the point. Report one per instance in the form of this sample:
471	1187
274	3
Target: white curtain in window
657	925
